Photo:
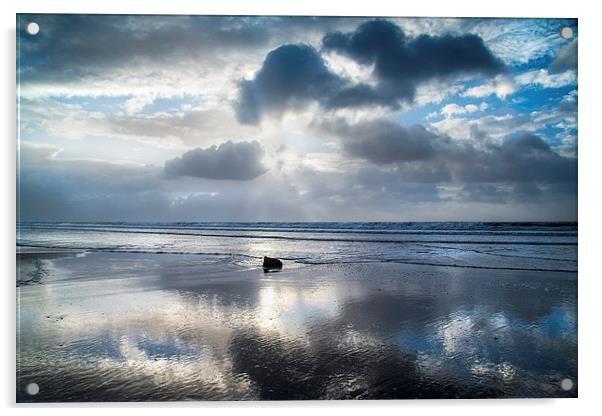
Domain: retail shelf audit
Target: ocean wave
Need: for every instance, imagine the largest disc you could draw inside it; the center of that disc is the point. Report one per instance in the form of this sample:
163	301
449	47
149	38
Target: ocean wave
494	229
308	238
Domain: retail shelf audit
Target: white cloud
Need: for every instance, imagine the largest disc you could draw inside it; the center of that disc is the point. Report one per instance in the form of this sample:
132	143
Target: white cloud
349	69
435	92
353	114
542	78
137	103
567	146
196	127
563	116
518	41
502	86
451	109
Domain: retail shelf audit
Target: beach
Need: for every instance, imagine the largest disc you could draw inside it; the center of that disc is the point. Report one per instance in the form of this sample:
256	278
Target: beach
111	325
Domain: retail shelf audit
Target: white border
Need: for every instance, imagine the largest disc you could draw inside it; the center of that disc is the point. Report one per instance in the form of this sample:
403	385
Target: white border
589	189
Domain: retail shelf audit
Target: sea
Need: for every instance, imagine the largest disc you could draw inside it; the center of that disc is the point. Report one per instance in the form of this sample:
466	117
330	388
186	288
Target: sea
543	246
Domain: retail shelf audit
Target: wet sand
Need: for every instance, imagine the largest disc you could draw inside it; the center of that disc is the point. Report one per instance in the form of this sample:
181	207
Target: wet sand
153	327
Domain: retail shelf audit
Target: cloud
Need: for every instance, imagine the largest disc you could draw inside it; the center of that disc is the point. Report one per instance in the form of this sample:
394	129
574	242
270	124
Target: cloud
502	86
73	46
161	56
150	88
293	75
290	76
230	161
434	92
566	59
518	159
383	142
560	115
519	40
490	125
193	127
450	110
34	153
53	189
393	177
165	129
56	189
528	191
543	78
137	103
401	63
487	193
519	193
418	152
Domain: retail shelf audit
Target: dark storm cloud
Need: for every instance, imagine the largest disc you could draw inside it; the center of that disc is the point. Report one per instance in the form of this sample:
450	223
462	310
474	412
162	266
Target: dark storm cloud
234	161
527	191
401	63
384	142
420	156
368	189
361	95
566	58
70	47
294	74
521	192
523	158
104	177
290	76
75	46
31	154
410	182
484	192
53	189
410	172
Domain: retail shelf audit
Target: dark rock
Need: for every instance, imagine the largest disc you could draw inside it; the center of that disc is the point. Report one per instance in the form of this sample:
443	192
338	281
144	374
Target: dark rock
271	263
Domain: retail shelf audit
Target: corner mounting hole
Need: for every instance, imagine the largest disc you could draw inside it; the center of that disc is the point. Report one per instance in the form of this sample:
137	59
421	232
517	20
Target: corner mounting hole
32	389
32	28
566	32
566	384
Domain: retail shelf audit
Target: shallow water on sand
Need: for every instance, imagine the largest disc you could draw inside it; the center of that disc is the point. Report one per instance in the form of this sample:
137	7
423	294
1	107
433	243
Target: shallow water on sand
119	327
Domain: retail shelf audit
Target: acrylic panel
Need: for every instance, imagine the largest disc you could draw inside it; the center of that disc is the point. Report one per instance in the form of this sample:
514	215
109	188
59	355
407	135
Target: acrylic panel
295	208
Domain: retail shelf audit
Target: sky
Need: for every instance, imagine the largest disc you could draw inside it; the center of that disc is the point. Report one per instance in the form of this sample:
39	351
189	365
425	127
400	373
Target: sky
216	118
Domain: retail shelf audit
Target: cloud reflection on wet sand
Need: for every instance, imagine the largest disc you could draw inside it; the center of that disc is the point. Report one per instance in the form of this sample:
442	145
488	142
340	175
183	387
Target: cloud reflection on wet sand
114	327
